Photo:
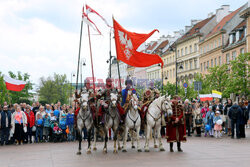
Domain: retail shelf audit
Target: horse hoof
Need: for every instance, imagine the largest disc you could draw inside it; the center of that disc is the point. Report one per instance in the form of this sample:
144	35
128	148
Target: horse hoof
124	150
155	146
105	151
139	150
147	150
79	153
162	149
94	148
89	152
115	152
119	148
133	147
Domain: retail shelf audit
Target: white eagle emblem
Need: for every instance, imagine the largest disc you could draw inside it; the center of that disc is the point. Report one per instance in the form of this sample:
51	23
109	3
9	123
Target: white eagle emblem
127	42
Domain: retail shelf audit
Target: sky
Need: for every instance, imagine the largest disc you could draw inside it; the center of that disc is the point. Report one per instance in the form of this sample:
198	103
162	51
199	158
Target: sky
41	37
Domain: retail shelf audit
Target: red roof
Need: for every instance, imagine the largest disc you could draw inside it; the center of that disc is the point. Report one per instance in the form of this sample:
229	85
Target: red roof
221	24
161	46
150	47
196	28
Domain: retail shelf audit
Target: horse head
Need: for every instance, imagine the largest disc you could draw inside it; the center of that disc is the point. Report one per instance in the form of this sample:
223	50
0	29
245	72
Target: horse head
113	98
167	105
134	102
84	100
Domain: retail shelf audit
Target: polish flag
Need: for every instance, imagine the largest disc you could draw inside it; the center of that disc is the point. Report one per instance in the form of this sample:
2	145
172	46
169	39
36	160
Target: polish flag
206	97
13	84
89	22
90	10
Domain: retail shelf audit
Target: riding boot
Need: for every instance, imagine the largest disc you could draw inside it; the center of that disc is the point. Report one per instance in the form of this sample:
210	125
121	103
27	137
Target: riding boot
171	147
179	147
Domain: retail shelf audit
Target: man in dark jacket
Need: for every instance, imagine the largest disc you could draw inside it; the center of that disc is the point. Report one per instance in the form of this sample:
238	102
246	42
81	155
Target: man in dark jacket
234	114
5	120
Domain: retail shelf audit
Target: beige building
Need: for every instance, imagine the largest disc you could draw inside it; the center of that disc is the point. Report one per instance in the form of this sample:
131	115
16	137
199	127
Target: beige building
169	66
212	45
188	50
246	15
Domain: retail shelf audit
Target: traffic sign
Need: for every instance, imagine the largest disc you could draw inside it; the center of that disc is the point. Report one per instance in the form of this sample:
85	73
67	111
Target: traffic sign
185	85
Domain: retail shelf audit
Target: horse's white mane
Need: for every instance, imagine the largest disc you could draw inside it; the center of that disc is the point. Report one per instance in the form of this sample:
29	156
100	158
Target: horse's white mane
113	96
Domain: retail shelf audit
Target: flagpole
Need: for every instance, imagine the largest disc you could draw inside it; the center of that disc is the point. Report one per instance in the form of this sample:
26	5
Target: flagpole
91	59
119	74
79	53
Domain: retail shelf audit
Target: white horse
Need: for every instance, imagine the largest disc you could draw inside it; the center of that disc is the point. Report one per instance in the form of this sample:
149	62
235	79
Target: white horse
158	107
132	122
111	120
84	119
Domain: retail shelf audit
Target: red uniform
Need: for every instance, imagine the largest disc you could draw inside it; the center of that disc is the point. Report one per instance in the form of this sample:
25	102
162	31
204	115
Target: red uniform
176	132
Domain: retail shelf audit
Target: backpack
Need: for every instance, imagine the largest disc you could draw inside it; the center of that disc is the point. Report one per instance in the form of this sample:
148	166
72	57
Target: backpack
245	114
234	113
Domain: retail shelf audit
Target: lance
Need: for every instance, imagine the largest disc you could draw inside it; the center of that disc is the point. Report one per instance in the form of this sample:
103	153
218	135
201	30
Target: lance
90	50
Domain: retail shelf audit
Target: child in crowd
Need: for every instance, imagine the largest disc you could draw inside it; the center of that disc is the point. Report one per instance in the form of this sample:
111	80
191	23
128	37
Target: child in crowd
46	125
70	124
39	128
62	125
56	128
209	121
218	124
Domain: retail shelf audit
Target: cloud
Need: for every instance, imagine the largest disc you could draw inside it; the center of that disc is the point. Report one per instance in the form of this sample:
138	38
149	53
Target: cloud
41	37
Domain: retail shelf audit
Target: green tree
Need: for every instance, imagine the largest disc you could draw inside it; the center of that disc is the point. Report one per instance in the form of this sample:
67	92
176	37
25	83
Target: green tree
3	91
239	76
53	89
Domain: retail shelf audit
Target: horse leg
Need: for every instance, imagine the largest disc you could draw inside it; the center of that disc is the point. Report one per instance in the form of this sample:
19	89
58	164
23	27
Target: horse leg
80	141
154	136
115	139
106	140
132	139
94	145
125	137
89	142
159	138
137	139
147	138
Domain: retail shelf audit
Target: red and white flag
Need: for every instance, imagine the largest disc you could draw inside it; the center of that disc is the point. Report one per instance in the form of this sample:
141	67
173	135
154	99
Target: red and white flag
89	22
90	10
126	47
13	84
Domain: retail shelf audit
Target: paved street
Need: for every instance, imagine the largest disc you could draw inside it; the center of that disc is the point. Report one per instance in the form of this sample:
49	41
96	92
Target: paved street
197	152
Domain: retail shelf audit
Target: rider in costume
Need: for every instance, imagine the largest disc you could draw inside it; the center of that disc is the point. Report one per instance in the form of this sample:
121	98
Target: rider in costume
127	93
149	95
90	90
105	94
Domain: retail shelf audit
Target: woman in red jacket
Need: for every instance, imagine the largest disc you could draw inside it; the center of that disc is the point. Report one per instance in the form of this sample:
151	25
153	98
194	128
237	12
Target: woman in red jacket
31	122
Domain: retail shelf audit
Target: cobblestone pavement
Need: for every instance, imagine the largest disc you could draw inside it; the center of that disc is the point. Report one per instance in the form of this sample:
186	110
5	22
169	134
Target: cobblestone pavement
202	151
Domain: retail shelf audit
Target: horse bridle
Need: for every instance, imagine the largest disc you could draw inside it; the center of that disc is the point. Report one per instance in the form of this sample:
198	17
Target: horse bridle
85	110
134	121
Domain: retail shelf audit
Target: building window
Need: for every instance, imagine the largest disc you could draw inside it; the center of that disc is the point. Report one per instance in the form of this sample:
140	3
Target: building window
207	64
167	60
242	51
186	50
195	64
167	74
227	58
195	47
182	52
204	49
186	65
215	44
204	66
219	42
231	36
178	53
219	60
201	51
173	73
190	48
215	61
234	55
207	47
191	65
201	67
170	73
237	35
164	61
212	62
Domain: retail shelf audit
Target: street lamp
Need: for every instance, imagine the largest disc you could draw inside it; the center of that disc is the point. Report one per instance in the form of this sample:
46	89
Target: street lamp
110	61
176	67
83	63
